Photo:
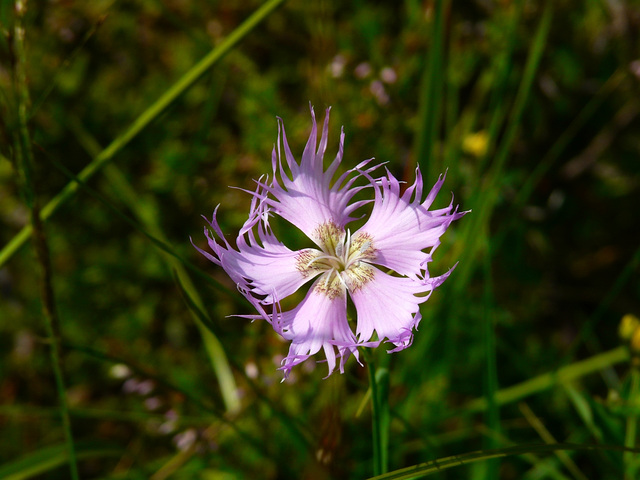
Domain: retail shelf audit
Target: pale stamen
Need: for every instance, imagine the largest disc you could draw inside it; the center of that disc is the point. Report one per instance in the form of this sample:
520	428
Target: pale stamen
342	255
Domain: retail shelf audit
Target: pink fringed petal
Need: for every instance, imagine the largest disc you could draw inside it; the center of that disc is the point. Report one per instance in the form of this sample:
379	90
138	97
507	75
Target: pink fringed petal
263	269
308	198
389	306
402	226
317	322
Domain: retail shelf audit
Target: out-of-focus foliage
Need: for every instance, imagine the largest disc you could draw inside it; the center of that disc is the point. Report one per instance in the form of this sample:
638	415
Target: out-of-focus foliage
554	268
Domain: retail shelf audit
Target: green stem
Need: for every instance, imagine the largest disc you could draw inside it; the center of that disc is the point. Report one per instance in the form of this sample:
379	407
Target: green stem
24	163
375	409
150	114
632	425
378	381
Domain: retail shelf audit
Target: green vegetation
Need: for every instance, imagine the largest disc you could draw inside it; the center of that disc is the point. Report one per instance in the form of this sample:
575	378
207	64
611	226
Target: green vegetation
122	122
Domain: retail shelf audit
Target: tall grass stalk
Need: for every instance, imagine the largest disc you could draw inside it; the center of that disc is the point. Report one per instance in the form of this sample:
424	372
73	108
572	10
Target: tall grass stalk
25	167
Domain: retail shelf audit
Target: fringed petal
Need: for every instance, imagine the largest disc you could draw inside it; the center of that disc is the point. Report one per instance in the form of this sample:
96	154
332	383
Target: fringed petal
319	321
390	307
402	226
309	198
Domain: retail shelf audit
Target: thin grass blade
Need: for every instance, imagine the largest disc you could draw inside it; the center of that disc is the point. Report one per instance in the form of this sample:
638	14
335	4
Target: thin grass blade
437	466
150	114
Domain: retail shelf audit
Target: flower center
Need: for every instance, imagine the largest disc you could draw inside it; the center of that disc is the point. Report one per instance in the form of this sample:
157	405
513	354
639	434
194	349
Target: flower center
343	259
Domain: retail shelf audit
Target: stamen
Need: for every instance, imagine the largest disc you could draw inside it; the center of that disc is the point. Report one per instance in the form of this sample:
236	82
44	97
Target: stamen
319	257
342	281
347	246
327	276
342	255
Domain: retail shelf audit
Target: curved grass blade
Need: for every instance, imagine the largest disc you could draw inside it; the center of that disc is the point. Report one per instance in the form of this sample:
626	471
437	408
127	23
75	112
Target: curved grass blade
150	114
437	466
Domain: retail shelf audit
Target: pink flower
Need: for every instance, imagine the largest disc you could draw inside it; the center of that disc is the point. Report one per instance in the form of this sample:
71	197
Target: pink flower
382	266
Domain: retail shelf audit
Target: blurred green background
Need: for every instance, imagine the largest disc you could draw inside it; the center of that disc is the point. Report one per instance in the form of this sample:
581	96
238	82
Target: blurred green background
532	108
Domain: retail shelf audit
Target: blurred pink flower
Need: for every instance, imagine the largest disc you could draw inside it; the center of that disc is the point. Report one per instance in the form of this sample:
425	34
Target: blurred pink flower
394	237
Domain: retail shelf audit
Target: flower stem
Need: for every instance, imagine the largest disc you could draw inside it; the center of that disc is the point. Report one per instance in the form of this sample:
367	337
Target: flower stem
378	381
24	164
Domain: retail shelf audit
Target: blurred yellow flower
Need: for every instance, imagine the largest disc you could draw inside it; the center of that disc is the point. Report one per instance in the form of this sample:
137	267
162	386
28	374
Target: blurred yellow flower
628	326
475	143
